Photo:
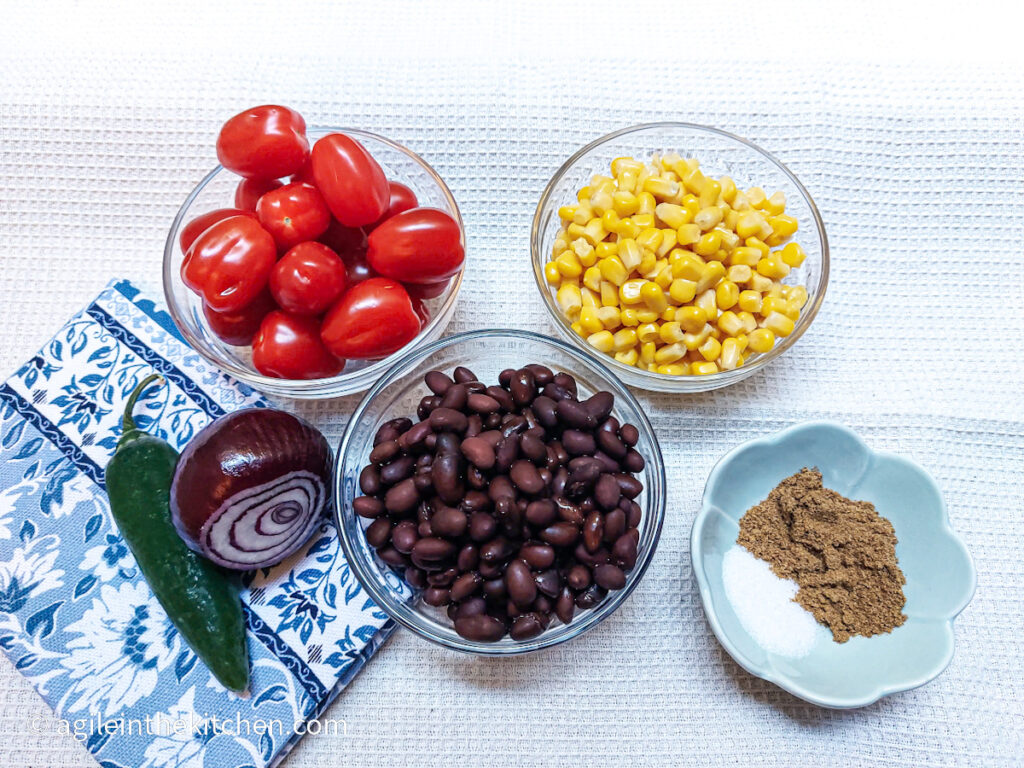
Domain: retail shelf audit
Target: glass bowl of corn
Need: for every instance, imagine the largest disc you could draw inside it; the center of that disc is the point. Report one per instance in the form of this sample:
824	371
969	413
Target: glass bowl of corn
687	258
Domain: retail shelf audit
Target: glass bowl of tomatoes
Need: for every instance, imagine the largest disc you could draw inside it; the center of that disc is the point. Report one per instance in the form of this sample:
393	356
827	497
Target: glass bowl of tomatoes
265	343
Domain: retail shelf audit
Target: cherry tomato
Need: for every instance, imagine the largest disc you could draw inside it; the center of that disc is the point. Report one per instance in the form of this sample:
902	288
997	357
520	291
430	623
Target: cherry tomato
288	346
249	191
344	241
239	327
427	290
200	224
265	142
229	264
308	279
402	199
351	181
371	320
293	214
422	245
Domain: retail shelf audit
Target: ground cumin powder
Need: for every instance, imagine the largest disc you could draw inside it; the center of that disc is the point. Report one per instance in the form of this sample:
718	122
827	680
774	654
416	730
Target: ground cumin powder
841	553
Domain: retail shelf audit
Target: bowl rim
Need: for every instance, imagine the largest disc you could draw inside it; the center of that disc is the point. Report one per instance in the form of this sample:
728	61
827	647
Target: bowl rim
656	505
299	387
658	381
880	690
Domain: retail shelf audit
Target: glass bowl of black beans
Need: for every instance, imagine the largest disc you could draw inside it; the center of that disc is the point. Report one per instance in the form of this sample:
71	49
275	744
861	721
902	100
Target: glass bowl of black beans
498	492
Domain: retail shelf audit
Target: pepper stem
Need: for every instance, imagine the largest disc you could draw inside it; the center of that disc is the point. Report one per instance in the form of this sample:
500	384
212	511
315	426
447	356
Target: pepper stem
127	422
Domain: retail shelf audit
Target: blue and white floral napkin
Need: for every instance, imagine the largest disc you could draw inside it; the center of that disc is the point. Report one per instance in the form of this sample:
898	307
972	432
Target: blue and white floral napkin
76	617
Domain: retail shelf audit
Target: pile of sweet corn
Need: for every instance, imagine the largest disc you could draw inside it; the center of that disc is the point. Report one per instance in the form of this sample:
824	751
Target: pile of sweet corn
673	271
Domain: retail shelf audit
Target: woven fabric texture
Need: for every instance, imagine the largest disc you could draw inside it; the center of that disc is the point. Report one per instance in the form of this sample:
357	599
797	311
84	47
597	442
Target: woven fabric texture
917	169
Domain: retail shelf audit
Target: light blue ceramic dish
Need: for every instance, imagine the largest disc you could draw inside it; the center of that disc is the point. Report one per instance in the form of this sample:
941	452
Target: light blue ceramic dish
939	572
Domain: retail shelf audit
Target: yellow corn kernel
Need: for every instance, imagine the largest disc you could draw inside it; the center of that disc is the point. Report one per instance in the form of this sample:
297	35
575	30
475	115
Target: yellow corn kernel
668	242
773	304
709	194
792	255
761	339
570	300
729	219
761	246
694	180
653	297
691	318
584	252
647	350
590	298
611	225
703	368
776	204
647	332
739	273
760	283
750	301
730	323
593	231
643	221
662	188
644	315
589	321
592	278
730	240
648	264
693	340
629	318
713	274
670	332
601	199
629	291
629	252
567	212
672	215
609	317
750	224
613	271
739	202
569	265
686	265
584	212
728	189
583	193
664	277
772	267
609	294
577	328
574	231
628	356
798	296
646	205
627	228
551	273
756	197
682	291
709	243
727	293
620	164
649	239
730	355
747	320
779	324
669	353
710	349
708	302
775	290
625	339
708	218
688	234
561	243
674	369
624	203
783	225
603	341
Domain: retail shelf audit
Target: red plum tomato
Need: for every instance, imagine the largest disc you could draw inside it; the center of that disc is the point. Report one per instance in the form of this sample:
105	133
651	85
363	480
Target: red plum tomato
344	241
293	214
422	245
351	181
238	328
229	264
288	346
265	142
201	223
308	279
371	320
249	191
401	199
427	290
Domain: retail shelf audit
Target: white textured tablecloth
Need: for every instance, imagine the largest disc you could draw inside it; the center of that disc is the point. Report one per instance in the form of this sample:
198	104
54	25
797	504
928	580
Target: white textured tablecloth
911	144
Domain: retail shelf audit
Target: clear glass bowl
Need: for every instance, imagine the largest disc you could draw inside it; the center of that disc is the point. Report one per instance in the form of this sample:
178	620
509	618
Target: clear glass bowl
397	393
719	153
217	190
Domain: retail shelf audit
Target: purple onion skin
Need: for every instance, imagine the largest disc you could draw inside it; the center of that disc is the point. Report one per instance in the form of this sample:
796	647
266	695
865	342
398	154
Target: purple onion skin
235	467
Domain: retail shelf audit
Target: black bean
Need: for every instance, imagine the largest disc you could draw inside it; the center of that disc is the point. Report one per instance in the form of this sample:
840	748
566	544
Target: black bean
463	374
437	382
599	405
607	492
392	557
634	462
491	570
526	626
512	425
426	406
519	583
390	430
482	526
593	531
403	497
474	606
449	522
475	479
609	442
574	415
424	484
578	443
494	589
629	434
455	397
465	585
590	597
585	556
415	578
569	512
468	558
436	596
545	409
446	443
533	448
629	485
609	576
497	550
558	481
614	525
582	477
502	396
368	506
383	452
480	403
448	420
633	515
501	486
526	478
624	549
523	387
557	392
369	480
549	582
541	373
378	533
404	536
397	470
565	606
478	452
541	513
432	549
537	556
560	534
413	438
474	425
480	628
505	377
442	578
446	475
578	577
506	453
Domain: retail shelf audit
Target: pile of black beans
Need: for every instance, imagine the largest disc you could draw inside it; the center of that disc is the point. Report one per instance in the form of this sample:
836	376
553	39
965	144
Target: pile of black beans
508	503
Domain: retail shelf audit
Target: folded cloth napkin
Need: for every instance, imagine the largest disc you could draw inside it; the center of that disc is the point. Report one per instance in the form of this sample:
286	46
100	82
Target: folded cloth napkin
76	617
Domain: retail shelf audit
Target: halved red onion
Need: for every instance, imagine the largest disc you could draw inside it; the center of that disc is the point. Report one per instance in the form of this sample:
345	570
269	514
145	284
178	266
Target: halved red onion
250	488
